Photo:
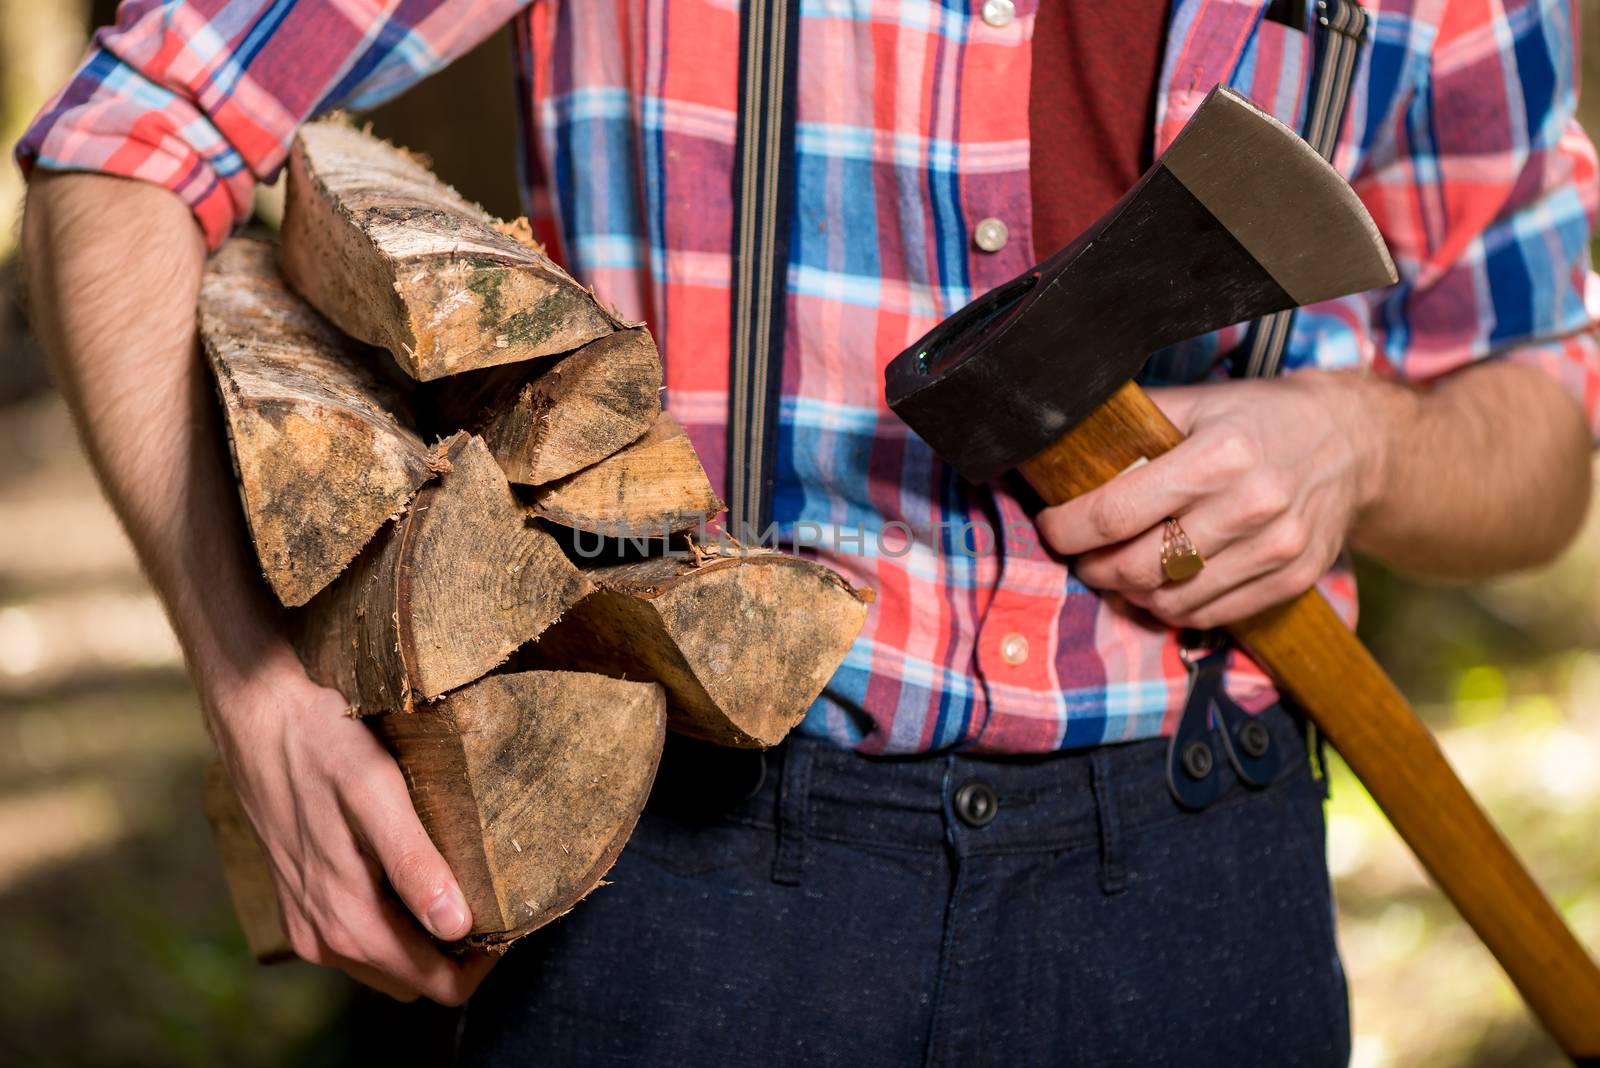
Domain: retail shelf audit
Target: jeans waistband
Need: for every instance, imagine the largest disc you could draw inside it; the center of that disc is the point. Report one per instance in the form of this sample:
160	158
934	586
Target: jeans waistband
1048	802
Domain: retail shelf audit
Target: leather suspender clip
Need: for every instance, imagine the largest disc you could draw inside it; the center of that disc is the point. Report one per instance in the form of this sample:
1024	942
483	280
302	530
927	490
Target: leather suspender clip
1213	730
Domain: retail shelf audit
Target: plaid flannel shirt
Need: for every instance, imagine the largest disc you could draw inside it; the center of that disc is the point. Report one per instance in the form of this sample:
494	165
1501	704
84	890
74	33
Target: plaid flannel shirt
912	127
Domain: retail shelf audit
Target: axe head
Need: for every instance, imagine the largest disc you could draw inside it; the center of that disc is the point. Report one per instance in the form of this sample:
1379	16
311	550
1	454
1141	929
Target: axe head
1238	219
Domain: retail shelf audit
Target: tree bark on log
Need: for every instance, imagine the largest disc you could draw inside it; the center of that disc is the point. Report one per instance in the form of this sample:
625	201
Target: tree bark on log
549	420
244	867
322	444
652	488
530	785
397	258
742	645
442	596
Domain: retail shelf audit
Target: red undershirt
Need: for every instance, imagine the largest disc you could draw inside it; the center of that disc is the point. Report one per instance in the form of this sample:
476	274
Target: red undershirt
1091	109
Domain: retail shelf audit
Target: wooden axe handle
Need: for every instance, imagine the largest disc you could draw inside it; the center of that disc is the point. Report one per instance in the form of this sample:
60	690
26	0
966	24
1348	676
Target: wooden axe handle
1325	669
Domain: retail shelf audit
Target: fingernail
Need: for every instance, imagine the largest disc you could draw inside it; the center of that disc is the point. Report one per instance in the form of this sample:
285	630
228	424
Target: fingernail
447	916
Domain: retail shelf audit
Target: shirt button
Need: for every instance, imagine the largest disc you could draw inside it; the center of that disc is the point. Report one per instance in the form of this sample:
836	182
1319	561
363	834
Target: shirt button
990	235
998	13
1014	648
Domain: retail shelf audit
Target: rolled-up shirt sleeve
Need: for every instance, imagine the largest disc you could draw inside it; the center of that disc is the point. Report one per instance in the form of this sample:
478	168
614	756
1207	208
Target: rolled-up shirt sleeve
1485	189
203	97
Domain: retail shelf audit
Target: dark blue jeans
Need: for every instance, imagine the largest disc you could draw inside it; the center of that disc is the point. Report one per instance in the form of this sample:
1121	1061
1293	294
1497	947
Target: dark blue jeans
817	907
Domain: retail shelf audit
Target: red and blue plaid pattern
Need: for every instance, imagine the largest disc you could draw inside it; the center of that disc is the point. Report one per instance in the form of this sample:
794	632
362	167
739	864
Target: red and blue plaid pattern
912	127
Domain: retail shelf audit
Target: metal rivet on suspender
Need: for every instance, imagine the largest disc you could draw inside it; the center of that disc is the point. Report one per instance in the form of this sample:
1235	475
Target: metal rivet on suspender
1197	760
1254	739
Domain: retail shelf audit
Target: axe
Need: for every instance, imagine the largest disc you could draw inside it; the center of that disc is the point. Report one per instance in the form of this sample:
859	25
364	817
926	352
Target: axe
1238	219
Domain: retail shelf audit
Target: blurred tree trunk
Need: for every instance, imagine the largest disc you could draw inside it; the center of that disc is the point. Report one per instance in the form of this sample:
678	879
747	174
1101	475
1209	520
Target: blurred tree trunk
1589	86
40	42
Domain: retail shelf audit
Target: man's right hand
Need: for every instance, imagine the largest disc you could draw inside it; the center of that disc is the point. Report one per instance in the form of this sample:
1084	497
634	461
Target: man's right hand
331	807
113	269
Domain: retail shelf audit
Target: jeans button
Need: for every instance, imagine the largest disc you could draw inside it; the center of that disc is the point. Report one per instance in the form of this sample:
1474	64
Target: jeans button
976	803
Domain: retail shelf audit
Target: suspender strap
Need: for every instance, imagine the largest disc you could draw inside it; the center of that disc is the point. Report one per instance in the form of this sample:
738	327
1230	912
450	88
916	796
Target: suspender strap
1341	27
763	198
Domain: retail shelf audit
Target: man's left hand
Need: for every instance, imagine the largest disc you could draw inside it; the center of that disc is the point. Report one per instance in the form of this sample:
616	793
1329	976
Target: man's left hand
1267	486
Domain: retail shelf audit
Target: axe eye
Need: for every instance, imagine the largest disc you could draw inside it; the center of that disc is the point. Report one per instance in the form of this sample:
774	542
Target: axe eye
971	328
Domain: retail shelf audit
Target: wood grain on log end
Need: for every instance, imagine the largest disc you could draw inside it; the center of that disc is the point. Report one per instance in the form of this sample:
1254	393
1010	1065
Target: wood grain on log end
399	259
530	785
547	420
444	595
652	488
743	645
244	867
322	444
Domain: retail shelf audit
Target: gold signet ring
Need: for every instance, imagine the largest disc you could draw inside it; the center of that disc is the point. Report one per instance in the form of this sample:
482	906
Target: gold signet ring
1179	558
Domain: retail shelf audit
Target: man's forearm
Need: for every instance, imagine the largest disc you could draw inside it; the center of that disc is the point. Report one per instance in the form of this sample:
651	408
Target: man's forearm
113	273
1486	472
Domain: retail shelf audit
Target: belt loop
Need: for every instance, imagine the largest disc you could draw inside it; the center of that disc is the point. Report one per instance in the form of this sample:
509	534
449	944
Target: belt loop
1317	757
794	790
1113	865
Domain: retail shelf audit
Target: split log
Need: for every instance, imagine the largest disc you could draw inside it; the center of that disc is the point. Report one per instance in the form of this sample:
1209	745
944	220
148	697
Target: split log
244	867
443	595
530	784
652	488
322	445
743	645
549	421
399	259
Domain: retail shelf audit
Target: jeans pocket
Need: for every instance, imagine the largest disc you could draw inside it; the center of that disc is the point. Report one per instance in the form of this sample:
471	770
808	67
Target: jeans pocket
1299	805
689	848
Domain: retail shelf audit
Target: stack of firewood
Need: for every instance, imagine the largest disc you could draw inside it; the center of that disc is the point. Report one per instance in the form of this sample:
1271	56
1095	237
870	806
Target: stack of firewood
451	590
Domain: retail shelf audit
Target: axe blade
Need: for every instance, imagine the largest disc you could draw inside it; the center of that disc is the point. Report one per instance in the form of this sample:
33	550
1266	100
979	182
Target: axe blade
1238	219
